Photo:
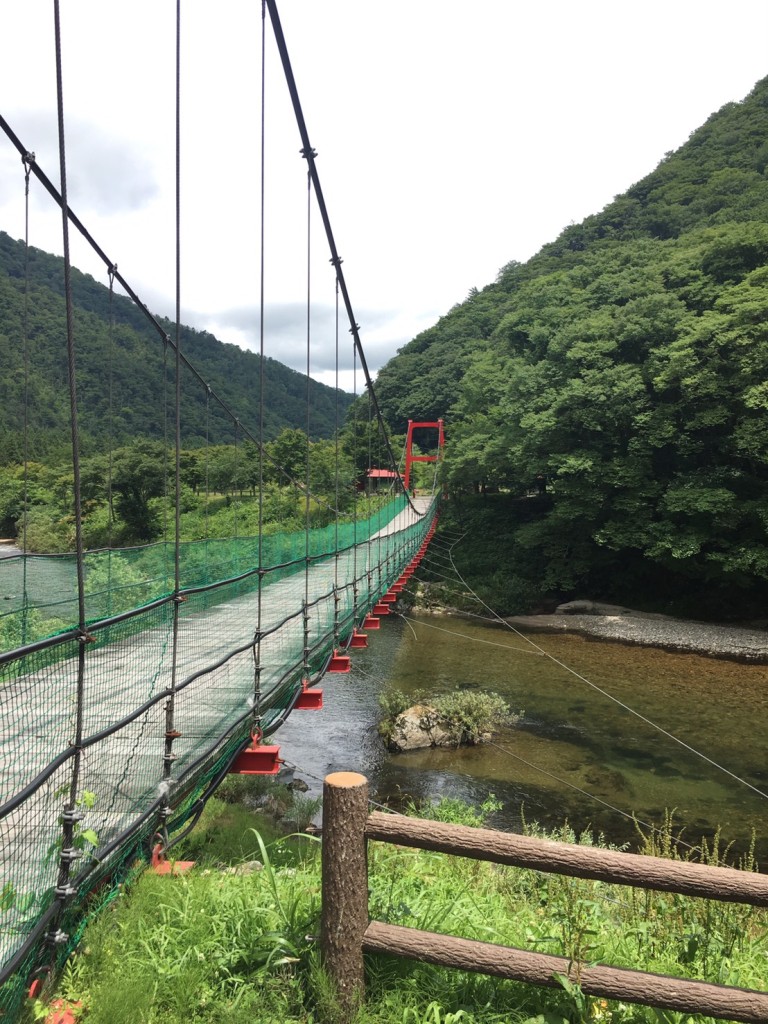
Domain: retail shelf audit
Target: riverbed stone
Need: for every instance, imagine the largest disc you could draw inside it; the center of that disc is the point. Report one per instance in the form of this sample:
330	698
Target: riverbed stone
418	727
248	867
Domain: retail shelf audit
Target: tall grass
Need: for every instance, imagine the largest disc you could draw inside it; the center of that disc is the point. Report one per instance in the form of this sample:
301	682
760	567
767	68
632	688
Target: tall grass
220	946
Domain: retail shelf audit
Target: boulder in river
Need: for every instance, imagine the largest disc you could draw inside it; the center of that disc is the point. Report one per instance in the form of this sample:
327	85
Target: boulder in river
419	727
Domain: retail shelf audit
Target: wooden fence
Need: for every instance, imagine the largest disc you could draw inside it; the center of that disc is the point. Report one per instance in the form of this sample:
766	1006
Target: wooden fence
346	931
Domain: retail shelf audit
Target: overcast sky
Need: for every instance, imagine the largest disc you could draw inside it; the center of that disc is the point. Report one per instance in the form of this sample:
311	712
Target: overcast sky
451	137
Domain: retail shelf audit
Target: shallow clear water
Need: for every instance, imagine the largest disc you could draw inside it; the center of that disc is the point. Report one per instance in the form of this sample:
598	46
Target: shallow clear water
574	747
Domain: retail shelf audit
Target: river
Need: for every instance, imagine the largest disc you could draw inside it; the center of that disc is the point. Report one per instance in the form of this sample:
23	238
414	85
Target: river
575	750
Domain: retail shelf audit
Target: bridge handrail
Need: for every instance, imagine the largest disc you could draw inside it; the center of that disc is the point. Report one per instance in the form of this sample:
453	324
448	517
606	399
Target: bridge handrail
157	585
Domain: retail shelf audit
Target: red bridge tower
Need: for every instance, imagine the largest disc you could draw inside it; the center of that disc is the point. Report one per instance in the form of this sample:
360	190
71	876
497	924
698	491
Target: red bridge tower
411	458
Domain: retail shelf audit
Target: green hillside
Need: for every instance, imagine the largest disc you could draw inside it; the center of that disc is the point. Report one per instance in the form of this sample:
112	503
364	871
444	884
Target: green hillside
627	364
130	363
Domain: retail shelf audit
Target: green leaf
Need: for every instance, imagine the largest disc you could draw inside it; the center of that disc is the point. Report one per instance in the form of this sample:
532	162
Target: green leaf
7	896
89	836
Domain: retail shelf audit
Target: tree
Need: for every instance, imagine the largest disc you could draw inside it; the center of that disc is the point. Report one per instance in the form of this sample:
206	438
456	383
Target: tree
139	474
288	453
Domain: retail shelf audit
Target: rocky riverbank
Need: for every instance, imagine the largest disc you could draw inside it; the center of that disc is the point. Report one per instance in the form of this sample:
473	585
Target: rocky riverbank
611	622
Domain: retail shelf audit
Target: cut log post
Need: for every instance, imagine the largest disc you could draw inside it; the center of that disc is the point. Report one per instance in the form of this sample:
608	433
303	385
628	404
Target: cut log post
344	915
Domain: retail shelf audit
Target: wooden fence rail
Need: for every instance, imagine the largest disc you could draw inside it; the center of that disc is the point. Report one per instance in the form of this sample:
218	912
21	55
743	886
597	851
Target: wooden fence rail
346	931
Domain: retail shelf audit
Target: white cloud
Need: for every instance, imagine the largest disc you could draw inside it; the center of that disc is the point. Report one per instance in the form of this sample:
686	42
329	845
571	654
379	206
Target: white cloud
451	140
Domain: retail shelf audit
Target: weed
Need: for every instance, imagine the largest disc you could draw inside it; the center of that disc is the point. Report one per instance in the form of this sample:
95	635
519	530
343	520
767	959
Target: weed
84	839
224	835
577	1003
456	812
470	714
303	810
434	1014
395	702
252	790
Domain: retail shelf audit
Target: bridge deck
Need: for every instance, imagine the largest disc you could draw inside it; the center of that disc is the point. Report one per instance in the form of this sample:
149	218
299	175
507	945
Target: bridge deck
125	770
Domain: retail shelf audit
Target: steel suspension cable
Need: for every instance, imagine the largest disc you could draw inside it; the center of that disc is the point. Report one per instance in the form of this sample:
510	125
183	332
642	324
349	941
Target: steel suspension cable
111	425
473	639
166	495
257	663
72	378
354	456
110	434
336	518
236	484
69	818
310	155
171	733
307	491
206	526
591	796
177	406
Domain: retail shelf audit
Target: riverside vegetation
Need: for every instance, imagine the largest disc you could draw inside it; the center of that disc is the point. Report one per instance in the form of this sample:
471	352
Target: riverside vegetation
465	718
619	378
238	944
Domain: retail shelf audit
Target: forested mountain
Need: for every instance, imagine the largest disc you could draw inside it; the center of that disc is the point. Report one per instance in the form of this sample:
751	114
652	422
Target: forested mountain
127	362
627	364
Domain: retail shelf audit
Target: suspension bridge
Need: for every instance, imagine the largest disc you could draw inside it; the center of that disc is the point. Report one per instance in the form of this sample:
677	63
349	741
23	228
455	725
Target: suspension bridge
139	678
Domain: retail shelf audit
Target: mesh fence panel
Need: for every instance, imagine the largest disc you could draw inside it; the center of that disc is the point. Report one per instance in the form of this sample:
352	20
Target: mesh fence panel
312	590
39	592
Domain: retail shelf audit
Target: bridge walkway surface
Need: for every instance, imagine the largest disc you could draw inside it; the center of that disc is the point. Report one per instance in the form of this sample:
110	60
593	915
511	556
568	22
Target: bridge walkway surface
211	668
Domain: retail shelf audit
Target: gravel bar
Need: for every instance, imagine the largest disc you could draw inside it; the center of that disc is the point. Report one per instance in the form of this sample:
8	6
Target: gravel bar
710	639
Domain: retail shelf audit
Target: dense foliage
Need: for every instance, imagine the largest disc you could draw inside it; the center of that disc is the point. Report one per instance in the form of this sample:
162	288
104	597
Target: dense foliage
125	382
623	369
128	494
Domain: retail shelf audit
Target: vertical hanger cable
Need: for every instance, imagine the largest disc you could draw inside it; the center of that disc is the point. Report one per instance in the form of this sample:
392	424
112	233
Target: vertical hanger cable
26	160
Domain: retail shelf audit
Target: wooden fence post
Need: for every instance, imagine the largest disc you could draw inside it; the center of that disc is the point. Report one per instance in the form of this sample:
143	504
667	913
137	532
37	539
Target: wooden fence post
344	915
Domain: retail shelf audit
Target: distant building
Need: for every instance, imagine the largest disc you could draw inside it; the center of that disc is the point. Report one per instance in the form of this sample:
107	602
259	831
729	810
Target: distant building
377	476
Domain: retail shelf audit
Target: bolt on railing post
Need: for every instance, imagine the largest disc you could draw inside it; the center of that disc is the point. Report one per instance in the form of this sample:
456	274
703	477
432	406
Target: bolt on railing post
344	915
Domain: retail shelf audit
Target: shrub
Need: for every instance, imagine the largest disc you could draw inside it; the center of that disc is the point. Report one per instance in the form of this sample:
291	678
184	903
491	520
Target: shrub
468	714
46	531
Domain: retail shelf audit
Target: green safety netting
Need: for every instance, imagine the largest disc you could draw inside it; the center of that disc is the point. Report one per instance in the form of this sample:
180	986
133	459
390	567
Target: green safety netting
38	593
310	591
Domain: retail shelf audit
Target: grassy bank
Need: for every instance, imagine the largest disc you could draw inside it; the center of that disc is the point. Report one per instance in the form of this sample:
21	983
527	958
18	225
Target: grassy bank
235	940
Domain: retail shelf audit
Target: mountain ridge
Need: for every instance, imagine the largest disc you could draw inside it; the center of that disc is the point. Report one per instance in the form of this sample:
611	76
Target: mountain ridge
128	361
